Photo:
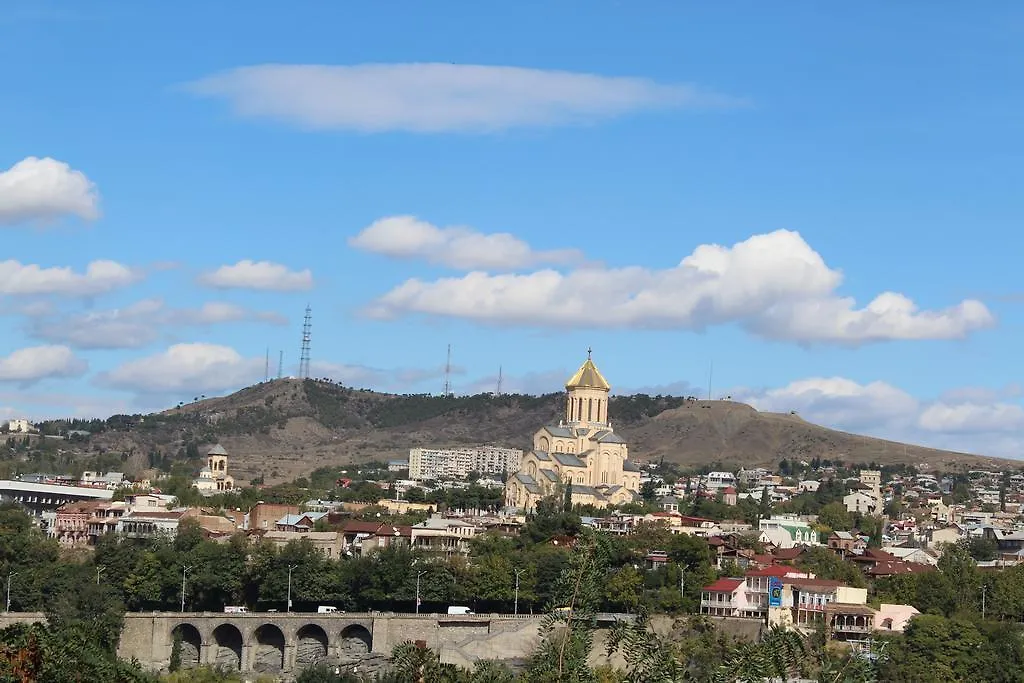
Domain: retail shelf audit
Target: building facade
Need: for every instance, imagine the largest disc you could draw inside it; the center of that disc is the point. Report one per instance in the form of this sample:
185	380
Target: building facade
214	478
582	452
457	463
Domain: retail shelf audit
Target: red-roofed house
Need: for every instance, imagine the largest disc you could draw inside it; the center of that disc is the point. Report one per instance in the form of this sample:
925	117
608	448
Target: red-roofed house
723	598
729	495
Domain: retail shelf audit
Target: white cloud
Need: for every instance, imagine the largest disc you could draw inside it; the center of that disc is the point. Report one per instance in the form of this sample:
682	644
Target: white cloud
261	275
40	362
99	277
139	324
774	284
430	98
988	425
186	368
455	246
36	190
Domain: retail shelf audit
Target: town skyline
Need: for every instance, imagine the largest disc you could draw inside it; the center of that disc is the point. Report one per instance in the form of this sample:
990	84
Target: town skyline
818	236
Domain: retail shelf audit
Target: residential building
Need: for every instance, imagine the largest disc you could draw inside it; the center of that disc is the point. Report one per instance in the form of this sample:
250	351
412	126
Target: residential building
151	523
109	480
457	463
303	522
443	535
894	617
264	516
718	480
397	465
786	531
845	542
330	543
862	502
582	452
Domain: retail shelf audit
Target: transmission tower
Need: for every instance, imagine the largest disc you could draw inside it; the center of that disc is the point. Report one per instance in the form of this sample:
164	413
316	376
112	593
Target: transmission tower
498	392
280	364
307	325
448	374
266	367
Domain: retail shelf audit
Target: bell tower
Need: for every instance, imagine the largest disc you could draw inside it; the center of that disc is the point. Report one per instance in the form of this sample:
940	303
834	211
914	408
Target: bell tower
586	401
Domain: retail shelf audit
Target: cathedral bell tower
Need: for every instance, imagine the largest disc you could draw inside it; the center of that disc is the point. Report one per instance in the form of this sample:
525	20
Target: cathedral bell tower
586	402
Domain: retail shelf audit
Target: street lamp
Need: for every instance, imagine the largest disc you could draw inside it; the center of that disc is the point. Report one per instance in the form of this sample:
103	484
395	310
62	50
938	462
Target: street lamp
517	572
420	574
290	568
10	576
99	570
184	569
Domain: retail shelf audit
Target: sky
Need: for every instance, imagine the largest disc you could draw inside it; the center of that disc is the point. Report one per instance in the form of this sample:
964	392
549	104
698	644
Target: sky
803	207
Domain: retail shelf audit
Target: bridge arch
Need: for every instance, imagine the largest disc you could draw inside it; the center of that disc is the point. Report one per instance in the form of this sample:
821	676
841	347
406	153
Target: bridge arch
268	649
311	644
227	643
190	645
355	639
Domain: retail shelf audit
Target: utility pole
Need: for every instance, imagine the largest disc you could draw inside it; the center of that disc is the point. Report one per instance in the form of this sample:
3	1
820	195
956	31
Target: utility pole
10	576
420	574
682	581
290	568
99	570
984	589
184	569
516	608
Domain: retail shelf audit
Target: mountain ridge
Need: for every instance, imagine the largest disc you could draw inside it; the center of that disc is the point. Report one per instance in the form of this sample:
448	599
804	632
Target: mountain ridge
284	429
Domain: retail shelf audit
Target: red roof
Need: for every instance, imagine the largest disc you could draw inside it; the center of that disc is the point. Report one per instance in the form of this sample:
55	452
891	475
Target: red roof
724	586
787	553
728	489
774	570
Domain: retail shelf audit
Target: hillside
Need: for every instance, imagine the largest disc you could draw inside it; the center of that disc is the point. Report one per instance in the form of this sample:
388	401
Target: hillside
286	428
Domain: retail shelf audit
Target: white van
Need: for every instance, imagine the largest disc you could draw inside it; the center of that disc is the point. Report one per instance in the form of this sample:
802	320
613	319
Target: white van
326	609
236	609
457	609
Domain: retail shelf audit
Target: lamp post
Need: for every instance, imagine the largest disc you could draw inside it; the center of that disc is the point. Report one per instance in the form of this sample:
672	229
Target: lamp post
516	608
184	570
10	576
418	576
290	568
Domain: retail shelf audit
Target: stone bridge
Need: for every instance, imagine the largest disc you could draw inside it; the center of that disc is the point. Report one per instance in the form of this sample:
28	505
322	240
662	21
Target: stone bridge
285	643
281	644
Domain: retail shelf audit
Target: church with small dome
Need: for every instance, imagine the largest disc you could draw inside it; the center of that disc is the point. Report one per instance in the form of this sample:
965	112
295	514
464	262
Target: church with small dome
582	452
214	478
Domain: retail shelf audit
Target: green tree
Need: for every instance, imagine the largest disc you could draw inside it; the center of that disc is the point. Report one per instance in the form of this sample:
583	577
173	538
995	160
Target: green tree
623	589
835	517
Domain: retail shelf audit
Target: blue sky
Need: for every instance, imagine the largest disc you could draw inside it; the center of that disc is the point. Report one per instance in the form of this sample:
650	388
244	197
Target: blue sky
520	181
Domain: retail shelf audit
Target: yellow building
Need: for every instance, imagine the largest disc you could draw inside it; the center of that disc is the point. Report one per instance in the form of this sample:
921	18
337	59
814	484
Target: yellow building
581	451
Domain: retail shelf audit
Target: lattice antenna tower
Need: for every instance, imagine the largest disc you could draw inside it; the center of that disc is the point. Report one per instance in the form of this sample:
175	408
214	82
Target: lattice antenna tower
498	392
280	364
448	373
266	367
307	326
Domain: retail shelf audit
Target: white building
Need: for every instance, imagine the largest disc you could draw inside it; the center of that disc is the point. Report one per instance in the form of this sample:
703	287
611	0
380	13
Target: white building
20	426
861	501
457	463
214	478
786	531
719	480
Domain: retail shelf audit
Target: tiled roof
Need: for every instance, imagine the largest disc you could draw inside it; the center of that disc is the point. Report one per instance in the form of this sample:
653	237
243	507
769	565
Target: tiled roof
550	475
216	450
723	586
542	455
555	430
608	437
569	460
774	570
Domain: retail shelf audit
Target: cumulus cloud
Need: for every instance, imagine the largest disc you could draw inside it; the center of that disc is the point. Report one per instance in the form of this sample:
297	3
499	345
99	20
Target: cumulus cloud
138	324
431	98
185	368
99	277
259	275
40	190
775	285
987	422
454	246
40	362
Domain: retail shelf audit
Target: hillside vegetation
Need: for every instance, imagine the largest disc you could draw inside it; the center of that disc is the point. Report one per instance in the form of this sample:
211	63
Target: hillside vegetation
286	428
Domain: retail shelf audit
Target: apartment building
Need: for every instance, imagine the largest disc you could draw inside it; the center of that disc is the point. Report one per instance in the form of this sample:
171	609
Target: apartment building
457	463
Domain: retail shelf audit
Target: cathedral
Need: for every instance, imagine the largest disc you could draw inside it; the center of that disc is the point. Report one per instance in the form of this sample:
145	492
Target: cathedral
582	450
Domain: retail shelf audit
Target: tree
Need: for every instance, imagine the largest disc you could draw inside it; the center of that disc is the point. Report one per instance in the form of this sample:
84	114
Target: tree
623	588
835	517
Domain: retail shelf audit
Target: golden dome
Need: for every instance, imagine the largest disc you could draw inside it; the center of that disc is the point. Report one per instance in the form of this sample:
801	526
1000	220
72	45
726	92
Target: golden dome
588	377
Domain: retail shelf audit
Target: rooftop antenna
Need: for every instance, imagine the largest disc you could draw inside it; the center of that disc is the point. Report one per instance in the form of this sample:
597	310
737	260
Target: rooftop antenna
711	372
448	373
307	324
266	367
280	364
498	392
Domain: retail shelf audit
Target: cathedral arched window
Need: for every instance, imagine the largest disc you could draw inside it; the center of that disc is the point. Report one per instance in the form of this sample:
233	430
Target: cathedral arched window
590	410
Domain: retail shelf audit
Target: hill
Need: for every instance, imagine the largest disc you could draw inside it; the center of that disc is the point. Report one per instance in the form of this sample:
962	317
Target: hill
286	428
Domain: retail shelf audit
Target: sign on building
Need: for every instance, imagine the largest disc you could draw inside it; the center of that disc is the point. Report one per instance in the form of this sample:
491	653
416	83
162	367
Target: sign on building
775	592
